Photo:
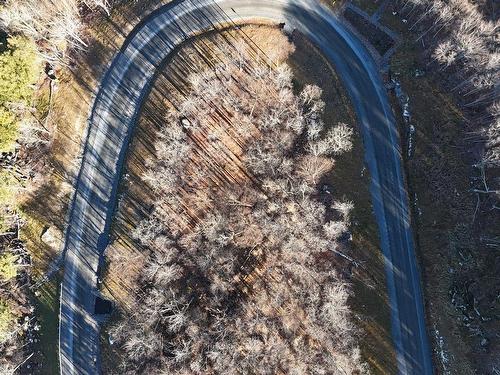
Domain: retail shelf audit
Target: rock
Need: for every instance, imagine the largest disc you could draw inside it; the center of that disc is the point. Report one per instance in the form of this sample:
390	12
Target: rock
484	342
52	237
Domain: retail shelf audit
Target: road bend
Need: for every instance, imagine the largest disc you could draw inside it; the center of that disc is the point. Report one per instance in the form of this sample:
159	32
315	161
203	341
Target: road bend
114	115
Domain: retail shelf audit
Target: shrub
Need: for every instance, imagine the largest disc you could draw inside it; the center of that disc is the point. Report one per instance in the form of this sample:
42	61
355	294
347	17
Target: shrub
8	130
8	185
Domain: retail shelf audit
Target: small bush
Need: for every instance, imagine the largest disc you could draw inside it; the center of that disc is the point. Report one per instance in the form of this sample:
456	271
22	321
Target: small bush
8	130
8	185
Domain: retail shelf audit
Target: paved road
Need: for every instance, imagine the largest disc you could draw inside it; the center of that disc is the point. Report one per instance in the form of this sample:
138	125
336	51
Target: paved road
111	123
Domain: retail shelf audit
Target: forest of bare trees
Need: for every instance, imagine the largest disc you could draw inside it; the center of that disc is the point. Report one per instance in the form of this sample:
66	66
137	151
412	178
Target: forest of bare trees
241	274
54	25
462	39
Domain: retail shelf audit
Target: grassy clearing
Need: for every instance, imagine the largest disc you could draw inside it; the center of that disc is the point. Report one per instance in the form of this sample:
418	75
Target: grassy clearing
349	181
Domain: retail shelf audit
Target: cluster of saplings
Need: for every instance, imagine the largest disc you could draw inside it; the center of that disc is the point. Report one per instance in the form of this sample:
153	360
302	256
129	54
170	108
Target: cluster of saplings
241	276
463	39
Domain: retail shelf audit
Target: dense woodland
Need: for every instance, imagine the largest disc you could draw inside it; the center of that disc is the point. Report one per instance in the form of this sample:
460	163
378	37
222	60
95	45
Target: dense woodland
55	26
241	276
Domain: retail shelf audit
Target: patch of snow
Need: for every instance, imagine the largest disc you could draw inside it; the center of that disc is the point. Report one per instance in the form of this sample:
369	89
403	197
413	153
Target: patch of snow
443	355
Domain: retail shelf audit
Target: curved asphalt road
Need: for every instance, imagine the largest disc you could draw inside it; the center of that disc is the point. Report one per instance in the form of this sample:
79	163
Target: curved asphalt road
114	115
